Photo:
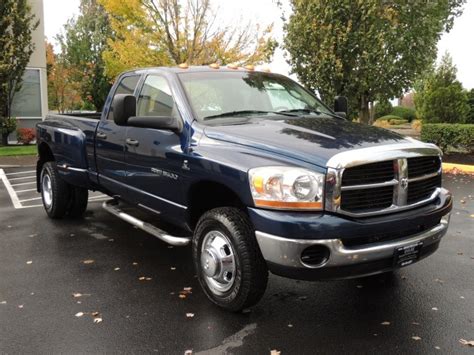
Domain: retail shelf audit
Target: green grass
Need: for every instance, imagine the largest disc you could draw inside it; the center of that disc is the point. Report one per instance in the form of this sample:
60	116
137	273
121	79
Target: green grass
18	150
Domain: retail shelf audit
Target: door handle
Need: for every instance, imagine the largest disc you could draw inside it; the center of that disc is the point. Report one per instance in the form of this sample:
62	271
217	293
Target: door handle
101	135
132	142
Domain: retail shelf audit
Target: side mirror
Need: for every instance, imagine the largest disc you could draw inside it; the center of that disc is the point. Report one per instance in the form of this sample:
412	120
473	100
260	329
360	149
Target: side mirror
340	106
156	122
123	107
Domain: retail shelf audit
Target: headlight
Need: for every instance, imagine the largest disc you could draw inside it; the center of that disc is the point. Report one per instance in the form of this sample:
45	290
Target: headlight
287	188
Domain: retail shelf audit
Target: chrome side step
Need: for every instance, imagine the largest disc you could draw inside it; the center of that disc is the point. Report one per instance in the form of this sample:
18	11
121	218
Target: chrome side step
112	207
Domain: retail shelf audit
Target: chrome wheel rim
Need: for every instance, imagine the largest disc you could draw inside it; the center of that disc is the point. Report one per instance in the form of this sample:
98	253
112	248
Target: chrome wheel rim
47	190
218	262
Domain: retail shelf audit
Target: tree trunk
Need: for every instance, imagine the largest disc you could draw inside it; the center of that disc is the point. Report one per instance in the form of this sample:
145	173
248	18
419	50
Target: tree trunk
372	113
364	114
4	138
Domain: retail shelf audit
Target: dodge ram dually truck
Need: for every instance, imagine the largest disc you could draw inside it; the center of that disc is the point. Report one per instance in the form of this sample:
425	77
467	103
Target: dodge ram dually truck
254	171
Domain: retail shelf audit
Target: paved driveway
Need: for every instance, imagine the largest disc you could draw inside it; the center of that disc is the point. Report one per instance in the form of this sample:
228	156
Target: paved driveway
55	276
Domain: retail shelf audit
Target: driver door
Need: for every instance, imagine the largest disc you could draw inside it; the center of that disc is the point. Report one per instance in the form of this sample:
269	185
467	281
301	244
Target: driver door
154	156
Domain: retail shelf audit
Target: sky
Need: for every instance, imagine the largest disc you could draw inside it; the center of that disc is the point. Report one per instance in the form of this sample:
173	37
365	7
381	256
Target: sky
263	12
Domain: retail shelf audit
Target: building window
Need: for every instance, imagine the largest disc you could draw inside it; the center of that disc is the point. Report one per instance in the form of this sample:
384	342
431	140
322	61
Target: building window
27	101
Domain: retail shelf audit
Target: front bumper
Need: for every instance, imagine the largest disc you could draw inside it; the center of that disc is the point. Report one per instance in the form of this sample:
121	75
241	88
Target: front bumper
346	260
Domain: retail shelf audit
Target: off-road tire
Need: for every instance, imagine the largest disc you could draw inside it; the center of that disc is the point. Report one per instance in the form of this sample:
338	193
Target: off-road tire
251	274
60	192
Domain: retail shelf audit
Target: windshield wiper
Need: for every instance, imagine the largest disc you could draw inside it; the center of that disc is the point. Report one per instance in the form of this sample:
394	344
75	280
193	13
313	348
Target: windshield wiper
247	112
310	110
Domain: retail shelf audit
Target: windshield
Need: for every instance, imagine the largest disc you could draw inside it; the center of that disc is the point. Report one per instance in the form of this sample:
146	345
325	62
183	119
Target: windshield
226	94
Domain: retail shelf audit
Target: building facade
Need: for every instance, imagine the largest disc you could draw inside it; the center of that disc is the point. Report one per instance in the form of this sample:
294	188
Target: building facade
30	104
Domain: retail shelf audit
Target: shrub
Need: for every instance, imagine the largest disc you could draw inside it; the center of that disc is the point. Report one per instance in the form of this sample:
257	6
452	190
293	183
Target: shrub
382	108
406	113
416	125
389	120
445	135
25	135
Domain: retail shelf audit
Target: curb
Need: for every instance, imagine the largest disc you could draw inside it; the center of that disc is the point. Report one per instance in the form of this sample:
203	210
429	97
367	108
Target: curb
463	168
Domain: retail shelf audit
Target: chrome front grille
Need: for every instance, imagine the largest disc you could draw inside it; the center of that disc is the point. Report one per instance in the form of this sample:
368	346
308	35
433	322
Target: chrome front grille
402	178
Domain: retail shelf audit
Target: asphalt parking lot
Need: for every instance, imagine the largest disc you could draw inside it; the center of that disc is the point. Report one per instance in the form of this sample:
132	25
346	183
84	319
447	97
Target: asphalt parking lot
99	285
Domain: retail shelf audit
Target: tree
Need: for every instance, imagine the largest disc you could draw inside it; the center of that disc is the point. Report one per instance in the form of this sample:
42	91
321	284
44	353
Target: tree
83	42
170	32
16	26
470	116
64	91
440	97
365	50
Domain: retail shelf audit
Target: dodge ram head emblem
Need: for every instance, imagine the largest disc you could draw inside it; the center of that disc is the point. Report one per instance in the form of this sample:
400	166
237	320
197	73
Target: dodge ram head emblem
404	183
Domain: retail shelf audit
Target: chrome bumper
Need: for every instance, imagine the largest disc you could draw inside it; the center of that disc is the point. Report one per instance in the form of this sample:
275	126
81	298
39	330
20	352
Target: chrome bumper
287	252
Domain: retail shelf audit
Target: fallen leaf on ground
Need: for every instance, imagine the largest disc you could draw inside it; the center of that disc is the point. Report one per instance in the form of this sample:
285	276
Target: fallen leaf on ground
97	320
416	337
190	315
29	262
434	308
76	295
275	352
385	323
88	261
466	342
95	314
79	314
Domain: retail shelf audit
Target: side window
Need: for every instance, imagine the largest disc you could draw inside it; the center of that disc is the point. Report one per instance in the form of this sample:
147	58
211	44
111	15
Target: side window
126	86
155	98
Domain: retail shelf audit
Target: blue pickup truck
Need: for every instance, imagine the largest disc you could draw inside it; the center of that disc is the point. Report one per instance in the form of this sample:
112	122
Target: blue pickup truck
253	171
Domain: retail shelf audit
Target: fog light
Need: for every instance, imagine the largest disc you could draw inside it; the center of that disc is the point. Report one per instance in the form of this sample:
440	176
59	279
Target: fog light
315	255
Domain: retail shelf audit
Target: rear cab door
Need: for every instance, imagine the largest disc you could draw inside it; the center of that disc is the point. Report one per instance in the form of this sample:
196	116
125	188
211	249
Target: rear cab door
110	140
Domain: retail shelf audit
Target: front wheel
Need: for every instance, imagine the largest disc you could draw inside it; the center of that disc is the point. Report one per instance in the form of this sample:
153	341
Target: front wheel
228	261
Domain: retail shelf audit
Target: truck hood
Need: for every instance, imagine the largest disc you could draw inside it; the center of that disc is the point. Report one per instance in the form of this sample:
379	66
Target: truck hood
311	139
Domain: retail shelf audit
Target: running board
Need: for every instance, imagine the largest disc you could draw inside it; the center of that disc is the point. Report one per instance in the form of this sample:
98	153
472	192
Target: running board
112	207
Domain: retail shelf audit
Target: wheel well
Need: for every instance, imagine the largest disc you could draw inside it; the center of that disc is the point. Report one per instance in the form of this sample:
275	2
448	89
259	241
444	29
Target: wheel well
207	195
45	154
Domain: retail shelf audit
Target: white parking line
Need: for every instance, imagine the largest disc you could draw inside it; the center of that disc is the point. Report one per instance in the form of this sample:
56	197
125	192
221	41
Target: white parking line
31	199
21	172
24	177
11	192
24	183
17	203
27	190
